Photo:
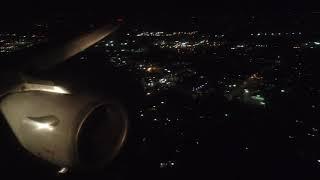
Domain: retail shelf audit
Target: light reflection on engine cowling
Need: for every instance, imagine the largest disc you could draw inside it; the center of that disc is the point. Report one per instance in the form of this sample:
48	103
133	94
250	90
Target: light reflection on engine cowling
67	130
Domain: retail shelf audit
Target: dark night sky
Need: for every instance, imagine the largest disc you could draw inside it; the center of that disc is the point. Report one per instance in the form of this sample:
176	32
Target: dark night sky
156	13
126	7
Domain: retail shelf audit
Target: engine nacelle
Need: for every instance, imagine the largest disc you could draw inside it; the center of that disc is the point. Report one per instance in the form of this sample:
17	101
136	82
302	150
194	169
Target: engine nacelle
68	130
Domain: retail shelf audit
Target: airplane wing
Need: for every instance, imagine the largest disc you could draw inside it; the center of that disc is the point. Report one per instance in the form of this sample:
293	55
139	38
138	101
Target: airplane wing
59	128
43	58
61	53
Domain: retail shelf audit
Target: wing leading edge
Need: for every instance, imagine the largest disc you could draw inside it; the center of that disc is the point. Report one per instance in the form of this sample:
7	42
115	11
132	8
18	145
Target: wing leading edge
59	54
46	58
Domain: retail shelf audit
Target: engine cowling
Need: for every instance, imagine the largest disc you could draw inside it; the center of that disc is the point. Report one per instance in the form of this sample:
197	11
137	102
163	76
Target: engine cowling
68	130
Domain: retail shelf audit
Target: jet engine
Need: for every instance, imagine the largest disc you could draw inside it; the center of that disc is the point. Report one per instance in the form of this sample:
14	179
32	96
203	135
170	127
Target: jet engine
64	128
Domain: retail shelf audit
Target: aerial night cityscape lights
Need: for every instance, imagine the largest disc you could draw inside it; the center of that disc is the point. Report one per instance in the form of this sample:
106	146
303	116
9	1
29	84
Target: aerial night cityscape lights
14	42
258	91
240	100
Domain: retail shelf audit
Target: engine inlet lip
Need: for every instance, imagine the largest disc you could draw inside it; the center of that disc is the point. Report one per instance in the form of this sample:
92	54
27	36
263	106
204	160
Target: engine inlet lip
124	134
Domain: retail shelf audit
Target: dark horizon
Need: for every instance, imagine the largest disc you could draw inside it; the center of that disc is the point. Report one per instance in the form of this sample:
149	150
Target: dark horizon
154	8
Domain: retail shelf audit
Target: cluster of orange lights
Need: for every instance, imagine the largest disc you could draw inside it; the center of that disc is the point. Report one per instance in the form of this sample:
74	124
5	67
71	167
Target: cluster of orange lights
256	76
152	69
